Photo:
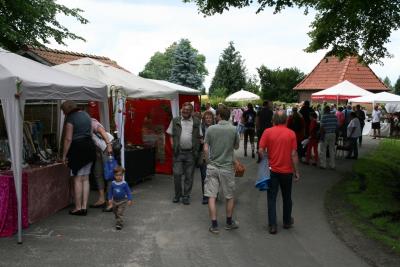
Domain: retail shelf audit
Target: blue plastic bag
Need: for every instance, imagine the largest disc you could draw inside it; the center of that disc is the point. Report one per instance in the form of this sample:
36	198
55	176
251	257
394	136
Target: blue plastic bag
263	174
108	168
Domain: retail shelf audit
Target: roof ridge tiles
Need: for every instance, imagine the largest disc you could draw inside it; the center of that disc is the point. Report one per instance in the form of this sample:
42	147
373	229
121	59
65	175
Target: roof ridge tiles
65	52
346	66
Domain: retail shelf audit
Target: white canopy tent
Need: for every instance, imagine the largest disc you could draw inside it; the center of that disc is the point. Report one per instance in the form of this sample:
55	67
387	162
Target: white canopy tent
392	101
341	91
180	90
133	86
383	97
130	85
22	79
242	95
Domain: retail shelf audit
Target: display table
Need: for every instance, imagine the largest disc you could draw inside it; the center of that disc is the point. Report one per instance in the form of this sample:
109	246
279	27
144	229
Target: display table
139	163
9	206
45	190
48	190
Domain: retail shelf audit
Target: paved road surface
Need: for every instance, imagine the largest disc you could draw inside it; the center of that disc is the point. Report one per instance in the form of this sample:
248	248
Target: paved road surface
160	233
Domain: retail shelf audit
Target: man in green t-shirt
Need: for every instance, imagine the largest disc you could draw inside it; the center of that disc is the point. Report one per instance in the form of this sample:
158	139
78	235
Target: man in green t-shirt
219	144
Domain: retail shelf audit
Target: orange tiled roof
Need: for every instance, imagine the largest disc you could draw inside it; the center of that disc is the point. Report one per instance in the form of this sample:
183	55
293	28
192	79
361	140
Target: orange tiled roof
331	71
56	57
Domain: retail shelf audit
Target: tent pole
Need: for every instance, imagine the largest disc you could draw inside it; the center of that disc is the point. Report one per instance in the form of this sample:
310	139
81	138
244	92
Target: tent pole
13	111
18	169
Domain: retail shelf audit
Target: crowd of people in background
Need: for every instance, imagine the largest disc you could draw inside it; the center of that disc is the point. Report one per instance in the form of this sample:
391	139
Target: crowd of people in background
319	129
286	136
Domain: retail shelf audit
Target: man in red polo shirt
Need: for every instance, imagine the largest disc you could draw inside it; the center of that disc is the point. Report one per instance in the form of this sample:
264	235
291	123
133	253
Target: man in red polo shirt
280	144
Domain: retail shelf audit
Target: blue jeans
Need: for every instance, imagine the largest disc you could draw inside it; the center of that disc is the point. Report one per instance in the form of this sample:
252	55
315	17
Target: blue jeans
284	181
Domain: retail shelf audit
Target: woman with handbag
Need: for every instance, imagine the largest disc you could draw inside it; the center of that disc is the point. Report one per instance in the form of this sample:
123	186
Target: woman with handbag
103	143
207	121
79	153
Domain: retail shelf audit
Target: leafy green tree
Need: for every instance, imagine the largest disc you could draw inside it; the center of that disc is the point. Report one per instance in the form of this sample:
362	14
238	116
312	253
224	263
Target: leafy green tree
220	92
186	69
396	88
356	27
388	83
278	84
252	85
160	64
230	73
34	22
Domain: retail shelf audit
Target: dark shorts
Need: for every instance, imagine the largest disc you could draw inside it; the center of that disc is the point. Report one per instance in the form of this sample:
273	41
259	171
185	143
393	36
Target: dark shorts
376	125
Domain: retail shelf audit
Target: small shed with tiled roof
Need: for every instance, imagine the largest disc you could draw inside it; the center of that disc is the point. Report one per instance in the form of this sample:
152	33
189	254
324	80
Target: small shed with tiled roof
53	57
331	71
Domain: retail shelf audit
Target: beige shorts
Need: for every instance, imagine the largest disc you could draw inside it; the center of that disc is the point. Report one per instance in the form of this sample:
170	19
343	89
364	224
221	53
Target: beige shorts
217	177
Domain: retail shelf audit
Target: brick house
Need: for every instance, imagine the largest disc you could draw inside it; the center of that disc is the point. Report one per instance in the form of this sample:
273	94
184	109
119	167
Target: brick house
331	71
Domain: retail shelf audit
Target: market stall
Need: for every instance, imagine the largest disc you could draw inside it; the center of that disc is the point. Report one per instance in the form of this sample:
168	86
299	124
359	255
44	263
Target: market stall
144	107
22	79
392	102
379	98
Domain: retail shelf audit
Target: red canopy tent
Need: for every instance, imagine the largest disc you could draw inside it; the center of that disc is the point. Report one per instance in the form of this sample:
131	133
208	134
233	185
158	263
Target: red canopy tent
146	121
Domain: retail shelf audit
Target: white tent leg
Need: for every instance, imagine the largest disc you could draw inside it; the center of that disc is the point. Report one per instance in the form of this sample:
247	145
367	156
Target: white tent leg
13	110
60	124
120	126
175	106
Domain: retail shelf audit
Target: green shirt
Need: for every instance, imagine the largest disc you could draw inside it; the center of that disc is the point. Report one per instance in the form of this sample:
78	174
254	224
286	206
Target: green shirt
222	139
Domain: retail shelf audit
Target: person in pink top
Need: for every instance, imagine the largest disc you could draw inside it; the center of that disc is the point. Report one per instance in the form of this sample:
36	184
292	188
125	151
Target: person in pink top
340	119
280	144
237	115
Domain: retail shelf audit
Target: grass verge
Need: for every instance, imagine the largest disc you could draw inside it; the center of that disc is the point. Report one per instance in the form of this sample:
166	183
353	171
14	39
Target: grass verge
370	195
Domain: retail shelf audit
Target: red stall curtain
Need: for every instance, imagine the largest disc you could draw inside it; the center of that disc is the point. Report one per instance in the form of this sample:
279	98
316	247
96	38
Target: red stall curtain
190	98
145	124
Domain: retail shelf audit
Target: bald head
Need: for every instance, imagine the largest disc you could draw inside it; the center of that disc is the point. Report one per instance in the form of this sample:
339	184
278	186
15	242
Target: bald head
279	117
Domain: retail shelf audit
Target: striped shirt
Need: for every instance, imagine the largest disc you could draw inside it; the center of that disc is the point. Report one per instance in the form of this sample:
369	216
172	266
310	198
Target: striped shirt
329	123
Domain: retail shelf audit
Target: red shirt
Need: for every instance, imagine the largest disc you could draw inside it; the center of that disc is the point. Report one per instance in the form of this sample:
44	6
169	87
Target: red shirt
313	129
340	117
279	142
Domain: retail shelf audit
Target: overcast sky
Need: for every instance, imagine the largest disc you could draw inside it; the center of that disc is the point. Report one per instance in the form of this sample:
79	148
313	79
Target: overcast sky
131	31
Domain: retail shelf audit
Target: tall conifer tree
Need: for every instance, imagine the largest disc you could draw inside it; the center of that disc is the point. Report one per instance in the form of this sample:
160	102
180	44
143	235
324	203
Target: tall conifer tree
186	70
230	74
